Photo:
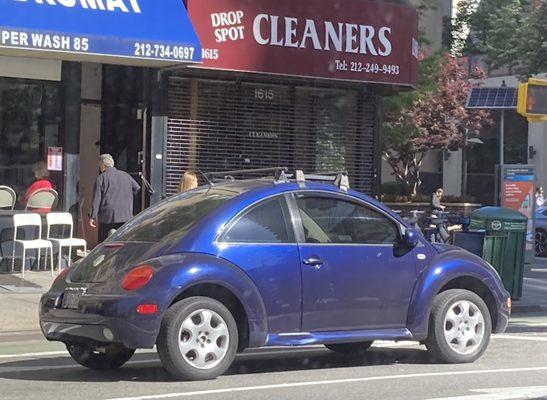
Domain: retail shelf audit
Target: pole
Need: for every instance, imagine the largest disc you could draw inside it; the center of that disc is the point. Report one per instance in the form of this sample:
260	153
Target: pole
502	148
464	171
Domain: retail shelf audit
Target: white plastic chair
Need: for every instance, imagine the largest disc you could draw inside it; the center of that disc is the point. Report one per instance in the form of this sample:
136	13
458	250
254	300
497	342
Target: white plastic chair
8	197
63	219
31	221
42	198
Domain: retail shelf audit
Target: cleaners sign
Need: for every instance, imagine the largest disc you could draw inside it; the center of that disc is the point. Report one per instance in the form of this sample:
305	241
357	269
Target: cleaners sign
99	30
345	39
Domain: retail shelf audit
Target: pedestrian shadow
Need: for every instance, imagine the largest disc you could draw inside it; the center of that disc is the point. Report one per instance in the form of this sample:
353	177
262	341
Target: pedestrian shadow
147	368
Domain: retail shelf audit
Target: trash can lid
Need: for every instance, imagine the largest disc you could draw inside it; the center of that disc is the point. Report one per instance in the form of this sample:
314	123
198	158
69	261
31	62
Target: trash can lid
498	219
498	213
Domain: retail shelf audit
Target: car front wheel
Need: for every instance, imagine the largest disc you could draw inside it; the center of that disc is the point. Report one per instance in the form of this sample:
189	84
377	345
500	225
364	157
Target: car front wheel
109	357
198	339
459	327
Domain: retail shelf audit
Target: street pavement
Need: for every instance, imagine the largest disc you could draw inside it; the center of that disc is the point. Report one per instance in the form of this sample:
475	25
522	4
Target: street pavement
514	367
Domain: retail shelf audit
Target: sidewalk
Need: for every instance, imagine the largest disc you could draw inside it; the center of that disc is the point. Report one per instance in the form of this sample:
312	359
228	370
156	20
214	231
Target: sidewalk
19	298
534	289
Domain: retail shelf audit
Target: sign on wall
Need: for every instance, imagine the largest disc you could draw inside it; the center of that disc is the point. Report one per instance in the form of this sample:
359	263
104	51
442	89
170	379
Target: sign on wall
99	30
518	193
355	40
55	158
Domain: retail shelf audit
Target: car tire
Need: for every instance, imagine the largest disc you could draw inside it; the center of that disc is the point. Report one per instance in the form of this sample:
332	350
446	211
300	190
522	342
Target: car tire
459	327
350	348
198	339
111	357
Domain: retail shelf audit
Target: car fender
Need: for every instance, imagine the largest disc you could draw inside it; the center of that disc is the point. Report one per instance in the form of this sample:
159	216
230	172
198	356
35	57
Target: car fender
180	272
451	264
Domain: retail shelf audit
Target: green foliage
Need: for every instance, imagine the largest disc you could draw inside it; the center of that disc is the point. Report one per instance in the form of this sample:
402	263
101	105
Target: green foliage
433	117
399	134
504	32
532	44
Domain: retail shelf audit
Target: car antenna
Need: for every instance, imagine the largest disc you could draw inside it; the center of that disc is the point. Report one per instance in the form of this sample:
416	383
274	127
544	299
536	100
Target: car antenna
209	182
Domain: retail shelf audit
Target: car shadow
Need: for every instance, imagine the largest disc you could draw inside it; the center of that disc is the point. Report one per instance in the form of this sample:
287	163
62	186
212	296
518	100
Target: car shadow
525	328
145	367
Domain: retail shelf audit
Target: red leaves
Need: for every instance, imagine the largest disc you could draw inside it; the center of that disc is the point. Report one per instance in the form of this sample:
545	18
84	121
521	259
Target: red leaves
438	118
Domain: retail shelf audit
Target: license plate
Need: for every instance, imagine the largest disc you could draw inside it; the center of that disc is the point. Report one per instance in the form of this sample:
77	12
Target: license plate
71	300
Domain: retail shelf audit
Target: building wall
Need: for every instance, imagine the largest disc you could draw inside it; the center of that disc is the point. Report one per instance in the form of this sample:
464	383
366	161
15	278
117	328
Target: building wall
90	136
431	25
30	68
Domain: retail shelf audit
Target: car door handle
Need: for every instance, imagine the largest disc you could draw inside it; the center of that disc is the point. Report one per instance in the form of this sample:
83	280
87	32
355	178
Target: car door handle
313	262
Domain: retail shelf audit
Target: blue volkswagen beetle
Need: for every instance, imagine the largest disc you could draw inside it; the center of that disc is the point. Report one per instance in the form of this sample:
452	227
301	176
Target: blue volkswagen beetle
270	262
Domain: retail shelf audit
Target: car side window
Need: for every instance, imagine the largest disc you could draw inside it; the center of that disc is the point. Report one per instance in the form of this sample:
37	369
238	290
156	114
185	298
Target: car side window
332	220
264	223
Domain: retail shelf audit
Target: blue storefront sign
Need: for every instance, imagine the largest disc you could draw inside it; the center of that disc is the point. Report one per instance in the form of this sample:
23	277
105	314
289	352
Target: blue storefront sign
104	29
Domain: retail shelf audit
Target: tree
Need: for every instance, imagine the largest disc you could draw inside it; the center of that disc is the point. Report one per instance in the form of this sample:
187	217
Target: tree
433	118
532	43
506	33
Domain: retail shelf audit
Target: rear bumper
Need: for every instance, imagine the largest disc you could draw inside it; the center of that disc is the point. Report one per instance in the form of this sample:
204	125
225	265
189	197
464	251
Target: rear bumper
99	320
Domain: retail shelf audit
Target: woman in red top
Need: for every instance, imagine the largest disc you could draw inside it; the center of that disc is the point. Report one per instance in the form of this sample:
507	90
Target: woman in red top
41	174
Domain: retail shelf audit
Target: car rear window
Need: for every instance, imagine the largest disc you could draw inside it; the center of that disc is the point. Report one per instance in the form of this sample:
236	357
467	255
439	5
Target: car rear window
173	218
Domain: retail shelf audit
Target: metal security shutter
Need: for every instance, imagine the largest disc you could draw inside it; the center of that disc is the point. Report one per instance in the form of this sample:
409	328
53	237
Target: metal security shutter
217	125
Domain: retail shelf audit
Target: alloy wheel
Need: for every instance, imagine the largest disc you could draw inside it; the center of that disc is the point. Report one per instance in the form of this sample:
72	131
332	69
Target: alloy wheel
204	339
464	327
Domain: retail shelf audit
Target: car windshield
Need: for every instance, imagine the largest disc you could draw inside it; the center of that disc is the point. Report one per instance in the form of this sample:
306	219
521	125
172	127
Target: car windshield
172	219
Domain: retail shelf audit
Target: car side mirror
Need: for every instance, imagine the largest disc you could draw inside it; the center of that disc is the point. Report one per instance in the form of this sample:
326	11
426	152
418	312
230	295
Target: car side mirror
409	239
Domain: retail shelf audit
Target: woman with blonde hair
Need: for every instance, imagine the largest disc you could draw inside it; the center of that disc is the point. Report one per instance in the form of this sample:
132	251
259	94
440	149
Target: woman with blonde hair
189	181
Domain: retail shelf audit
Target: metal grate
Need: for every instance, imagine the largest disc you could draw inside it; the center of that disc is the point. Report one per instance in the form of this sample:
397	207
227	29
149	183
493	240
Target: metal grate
492	98
218	125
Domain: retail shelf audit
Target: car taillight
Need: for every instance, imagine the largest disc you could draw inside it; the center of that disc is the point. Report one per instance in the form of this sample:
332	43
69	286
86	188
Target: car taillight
138	277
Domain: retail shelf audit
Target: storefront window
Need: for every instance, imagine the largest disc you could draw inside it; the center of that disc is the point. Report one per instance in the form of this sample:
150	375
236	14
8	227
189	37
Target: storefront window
29	125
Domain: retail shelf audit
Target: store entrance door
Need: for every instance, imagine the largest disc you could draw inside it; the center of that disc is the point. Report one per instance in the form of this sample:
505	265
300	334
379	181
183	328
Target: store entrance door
123	121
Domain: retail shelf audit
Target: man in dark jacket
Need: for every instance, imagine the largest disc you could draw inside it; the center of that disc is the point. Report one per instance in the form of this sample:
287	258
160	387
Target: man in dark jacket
112	204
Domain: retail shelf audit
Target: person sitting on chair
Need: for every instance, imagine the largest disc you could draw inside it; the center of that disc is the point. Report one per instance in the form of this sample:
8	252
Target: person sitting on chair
42	182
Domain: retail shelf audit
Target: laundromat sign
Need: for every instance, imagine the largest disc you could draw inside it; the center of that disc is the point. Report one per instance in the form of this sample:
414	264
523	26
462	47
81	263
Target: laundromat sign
356	40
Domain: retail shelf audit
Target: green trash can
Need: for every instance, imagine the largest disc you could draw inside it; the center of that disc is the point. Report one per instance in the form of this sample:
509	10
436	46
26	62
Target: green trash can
504	243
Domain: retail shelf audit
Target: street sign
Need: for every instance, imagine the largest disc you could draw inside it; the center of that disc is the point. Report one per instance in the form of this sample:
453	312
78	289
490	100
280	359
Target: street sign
532	100
355	40
518	193
135	32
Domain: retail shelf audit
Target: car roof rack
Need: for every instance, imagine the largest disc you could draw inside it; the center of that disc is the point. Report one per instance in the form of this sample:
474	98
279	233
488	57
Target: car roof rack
280	173
283	175
338	178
